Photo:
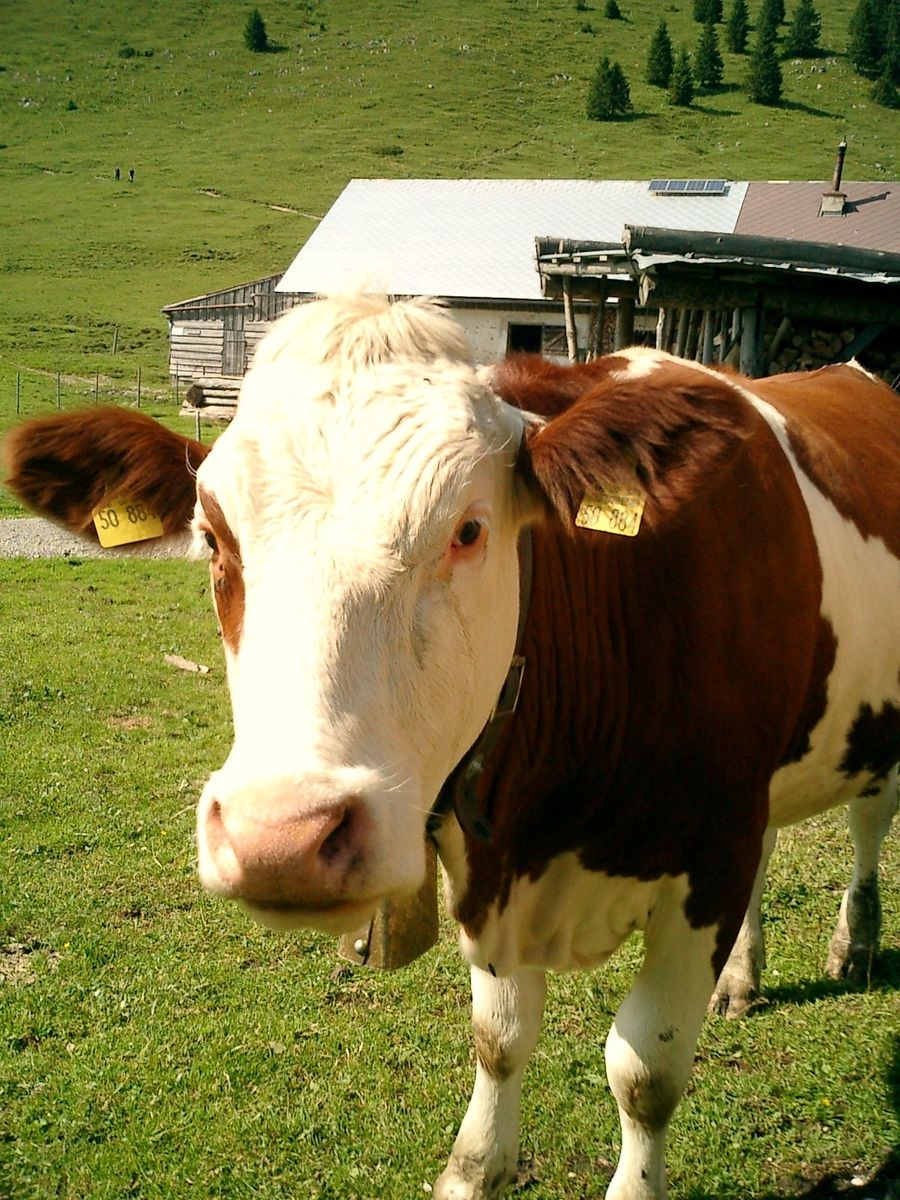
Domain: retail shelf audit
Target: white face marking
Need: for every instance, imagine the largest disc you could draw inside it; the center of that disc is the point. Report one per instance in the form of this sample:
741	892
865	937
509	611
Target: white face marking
377	522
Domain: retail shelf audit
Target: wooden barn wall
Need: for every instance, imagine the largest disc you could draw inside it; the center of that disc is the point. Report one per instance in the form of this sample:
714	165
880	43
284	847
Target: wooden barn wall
195	348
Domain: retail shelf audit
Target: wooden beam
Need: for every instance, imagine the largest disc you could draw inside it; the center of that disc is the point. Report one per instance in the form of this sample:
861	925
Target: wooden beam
750	363
624	323
681	335
710	319
595	340
569	313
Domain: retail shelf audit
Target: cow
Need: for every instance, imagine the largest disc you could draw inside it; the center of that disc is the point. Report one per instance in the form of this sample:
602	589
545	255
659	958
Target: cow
695	577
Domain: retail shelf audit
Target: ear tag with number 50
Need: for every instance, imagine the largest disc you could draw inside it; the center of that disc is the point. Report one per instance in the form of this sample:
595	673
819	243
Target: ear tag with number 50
612	510
119	521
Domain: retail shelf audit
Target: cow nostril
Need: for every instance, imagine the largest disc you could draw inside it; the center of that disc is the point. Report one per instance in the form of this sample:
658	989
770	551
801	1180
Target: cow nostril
338	840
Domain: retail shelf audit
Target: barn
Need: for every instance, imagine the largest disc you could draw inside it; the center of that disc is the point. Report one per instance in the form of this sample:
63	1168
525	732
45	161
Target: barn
768	276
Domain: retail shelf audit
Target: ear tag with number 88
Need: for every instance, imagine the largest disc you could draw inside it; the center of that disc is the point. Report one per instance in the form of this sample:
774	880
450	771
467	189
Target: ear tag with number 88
119	521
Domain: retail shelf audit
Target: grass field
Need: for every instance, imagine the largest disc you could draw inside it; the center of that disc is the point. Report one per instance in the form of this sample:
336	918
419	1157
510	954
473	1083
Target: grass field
155	1043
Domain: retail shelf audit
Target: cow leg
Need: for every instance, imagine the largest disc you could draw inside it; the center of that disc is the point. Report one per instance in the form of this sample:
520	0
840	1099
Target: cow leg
738	984
855	940
650	1047
506	1020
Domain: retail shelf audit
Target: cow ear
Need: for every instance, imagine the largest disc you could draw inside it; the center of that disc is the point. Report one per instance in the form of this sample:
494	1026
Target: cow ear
667	434
64	466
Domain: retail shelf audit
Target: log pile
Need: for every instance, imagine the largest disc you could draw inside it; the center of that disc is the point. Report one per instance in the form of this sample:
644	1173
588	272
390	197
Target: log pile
216	396
805	349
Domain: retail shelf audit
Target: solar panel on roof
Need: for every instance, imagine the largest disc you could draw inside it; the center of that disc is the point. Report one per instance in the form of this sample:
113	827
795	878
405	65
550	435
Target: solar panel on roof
688	187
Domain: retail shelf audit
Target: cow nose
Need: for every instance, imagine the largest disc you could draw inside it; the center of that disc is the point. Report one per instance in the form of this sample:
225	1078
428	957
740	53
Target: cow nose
269	848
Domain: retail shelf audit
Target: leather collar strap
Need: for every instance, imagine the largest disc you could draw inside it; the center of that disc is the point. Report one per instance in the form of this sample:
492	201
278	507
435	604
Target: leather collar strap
461	790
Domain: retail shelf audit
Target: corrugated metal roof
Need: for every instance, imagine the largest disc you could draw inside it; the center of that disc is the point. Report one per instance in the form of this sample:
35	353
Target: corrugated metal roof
871	218
474	238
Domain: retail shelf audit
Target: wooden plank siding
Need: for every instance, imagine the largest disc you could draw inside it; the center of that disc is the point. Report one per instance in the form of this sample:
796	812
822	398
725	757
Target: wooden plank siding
216	334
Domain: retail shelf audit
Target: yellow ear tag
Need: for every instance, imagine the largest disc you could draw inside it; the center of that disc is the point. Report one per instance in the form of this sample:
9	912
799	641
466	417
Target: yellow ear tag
612	510
119	521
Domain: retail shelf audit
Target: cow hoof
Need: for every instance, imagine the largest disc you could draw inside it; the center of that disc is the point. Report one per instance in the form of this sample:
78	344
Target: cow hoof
468	1179
731	1004
852	964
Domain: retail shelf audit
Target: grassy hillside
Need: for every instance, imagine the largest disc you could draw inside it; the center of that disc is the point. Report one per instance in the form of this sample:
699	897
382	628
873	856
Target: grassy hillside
236	154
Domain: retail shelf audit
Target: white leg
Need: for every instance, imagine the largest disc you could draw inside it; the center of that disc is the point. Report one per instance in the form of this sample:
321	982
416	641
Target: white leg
650	1048
855	939
738	984
506	1021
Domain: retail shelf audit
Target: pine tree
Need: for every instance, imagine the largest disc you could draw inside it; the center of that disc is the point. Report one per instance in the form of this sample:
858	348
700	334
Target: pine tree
884	91
738	28
771	10
764	77
708	66
255	36
660	58
707	10
866	31
802	40
890	57
681	85
609	97
613	12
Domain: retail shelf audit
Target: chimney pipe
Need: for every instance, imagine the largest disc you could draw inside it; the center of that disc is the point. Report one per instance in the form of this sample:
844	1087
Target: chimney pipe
839	166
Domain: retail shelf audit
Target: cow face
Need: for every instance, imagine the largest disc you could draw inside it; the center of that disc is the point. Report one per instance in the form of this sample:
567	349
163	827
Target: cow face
362	516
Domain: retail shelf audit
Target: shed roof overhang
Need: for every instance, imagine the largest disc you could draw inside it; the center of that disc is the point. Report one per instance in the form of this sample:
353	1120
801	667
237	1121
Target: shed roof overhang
671	267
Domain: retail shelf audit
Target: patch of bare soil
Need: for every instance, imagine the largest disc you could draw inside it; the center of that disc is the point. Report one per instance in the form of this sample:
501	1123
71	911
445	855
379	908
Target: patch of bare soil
17	961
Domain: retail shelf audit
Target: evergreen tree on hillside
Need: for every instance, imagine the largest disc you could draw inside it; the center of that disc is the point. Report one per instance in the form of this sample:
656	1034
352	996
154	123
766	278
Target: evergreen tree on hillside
613	12
681	85
771	11
707	10
660	58
884	91
708	66
868	27
890	58
738	28
609	96
255	36
764	76
802	40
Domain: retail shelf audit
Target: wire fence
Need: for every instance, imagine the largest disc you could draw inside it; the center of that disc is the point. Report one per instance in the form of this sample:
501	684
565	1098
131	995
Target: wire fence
31	392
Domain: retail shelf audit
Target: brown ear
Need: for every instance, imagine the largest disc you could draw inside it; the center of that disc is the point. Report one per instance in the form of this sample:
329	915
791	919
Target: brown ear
673	429
64	466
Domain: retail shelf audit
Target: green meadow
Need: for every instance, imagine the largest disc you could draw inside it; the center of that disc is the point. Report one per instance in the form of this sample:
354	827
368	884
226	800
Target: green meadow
155	1043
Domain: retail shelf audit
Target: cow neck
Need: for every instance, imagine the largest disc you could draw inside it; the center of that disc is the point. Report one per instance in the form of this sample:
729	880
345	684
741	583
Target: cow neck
462	791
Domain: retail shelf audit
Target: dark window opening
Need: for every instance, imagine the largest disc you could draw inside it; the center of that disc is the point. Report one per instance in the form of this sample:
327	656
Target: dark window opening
524	337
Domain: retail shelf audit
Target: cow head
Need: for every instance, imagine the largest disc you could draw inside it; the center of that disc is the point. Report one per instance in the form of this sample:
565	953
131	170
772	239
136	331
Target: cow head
361	513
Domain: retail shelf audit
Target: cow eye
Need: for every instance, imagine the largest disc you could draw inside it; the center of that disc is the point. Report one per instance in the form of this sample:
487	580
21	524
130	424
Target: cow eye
211	540
469	532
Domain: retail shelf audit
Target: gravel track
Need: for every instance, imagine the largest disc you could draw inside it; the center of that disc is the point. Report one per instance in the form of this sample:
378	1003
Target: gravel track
33	537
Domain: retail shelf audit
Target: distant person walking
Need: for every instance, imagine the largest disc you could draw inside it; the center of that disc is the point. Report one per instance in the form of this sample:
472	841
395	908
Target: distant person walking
131	174
117	174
